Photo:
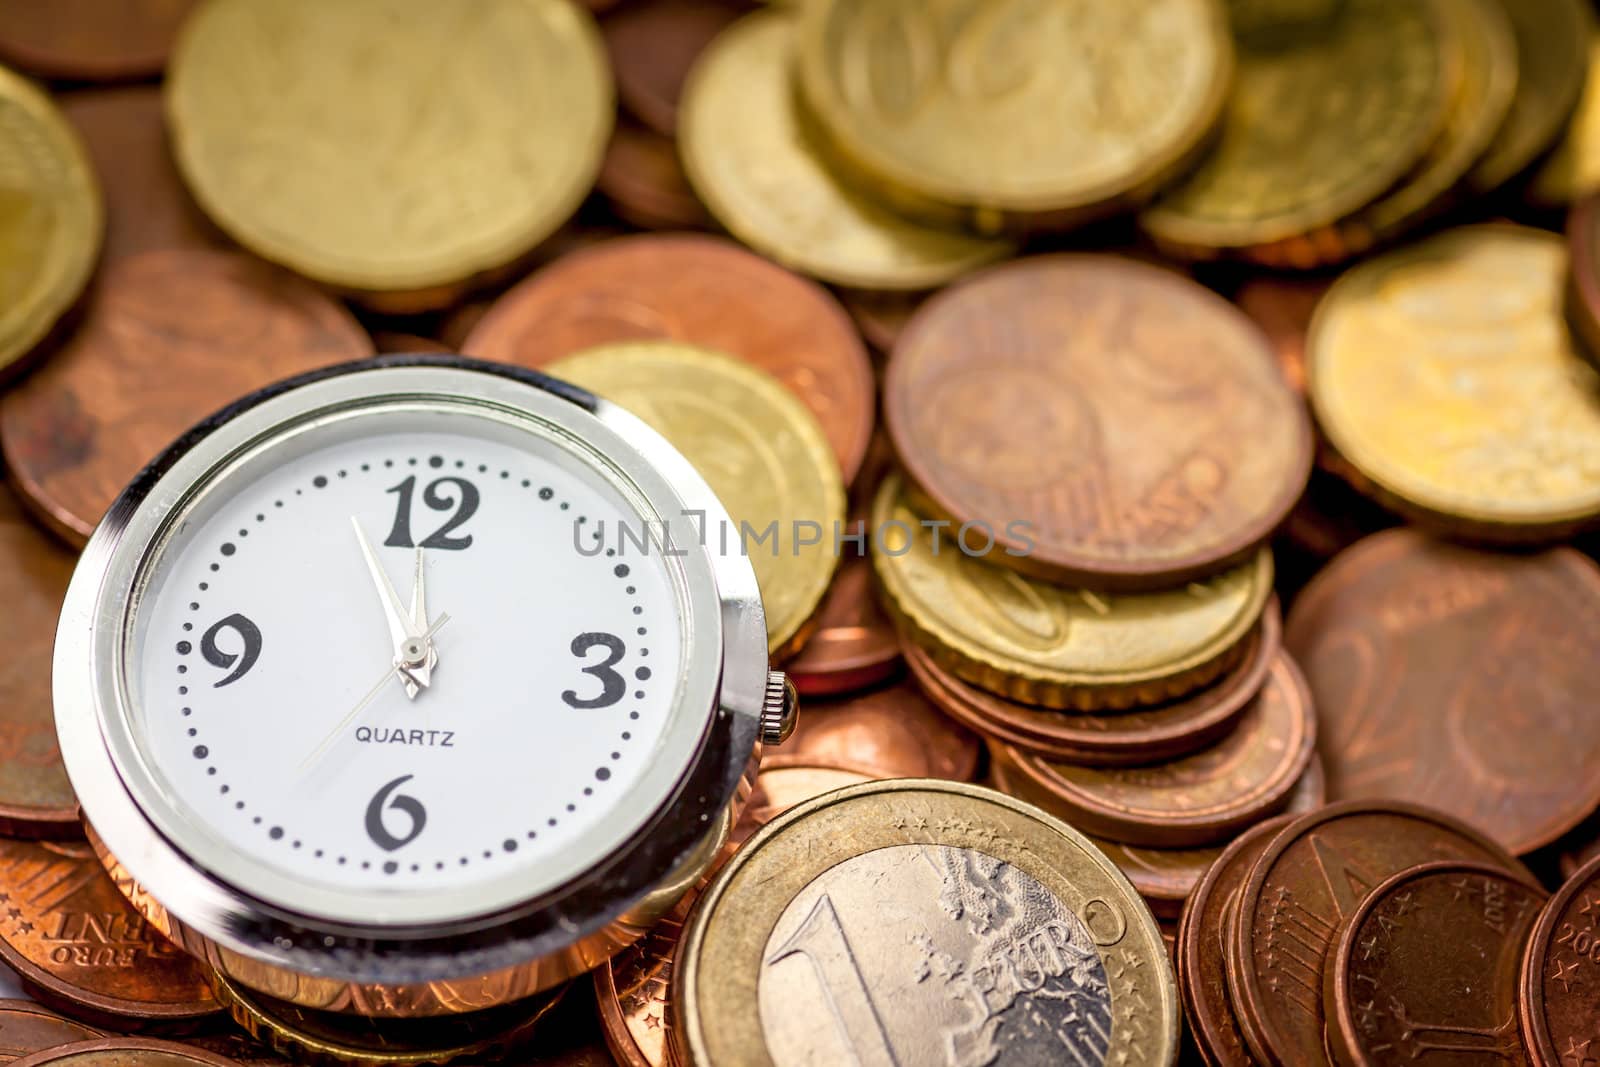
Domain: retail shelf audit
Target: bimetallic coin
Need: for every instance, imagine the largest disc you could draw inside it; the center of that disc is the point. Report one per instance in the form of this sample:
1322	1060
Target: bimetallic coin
1325	117
1203	947
1012	940
1427	968
1560	982
1457	678
1050	645
25	1028
1200	799
125	1052
1130	737
753	161
168	338
762	452
893	732
71	935
1553	58
962	112
703	291
36	800
1112	423
50	220
1301	891
147	205
855	645
1445	377
396	150
90	39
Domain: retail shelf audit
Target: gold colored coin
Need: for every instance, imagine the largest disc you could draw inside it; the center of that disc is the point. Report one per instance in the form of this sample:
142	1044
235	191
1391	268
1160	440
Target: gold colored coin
392	149
752	160
1051	645
1010	939
1488	50
1324	118
1573	169
51	217
1553	58
1014	112
1445	377
762	452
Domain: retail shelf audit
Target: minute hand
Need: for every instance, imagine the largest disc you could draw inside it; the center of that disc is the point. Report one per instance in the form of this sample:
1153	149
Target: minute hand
401	625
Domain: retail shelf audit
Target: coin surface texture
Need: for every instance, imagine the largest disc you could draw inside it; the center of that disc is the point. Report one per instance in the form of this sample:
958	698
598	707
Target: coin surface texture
705	291
1560	984
1427	967
1445	375
762	452
1011	940
891	732
69	932
631	991
1458	679
1110	422
36	800
25	1027
90	39
125	1052
752	161
1051	645
1301	891
1129	737
51	225
1324	118
1198	799
1553	58
393	149
966	112
168	338
147	206
855	644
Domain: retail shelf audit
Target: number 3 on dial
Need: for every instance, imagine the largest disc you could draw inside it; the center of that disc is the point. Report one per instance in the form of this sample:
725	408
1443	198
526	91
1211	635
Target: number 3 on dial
612	684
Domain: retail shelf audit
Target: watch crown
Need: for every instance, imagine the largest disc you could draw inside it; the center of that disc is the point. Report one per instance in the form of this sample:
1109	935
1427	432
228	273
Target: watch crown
780	710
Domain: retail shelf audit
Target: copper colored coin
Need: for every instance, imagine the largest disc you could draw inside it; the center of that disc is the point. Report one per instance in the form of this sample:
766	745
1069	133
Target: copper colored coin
1205	797
1202	947
881	316
1583	283
391	341
1426	969
703	290
125	1052
1113	423
631	990
1108	739
1580	846
645	183
1457	678
90	39
1560	979
168	338
854	645
36	800
652	45
25	1027
147	205
1300	893
893	732
1282	307
70	934
777	789
238	1046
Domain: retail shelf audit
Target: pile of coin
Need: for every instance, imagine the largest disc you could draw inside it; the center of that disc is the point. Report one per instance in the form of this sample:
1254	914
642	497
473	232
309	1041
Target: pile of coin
1194	404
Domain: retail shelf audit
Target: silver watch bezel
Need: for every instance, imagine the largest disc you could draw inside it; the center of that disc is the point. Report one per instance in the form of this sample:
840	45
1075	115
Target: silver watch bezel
382	936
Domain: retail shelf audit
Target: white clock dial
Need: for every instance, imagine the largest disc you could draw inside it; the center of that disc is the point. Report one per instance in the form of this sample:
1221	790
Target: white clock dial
544	688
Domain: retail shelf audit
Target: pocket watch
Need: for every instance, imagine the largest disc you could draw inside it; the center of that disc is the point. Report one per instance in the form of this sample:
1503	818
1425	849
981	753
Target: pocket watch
413	686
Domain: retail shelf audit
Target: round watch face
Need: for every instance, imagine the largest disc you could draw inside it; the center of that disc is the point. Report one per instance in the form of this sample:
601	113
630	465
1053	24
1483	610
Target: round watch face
409	662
